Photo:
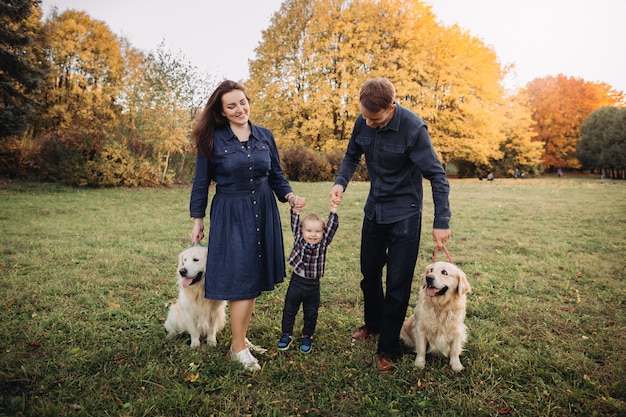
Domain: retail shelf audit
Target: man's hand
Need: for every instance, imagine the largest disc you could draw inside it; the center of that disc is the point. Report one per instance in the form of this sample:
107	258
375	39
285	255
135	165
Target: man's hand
336	195
441	236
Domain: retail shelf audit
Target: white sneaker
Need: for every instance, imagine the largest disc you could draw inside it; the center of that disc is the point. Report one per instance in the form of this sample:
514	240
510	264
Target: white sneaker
246	359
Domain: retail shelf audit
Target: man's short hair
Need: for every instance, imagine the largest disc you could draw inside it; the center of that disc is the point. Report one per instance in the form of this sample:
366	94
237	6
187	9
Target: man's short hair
377	94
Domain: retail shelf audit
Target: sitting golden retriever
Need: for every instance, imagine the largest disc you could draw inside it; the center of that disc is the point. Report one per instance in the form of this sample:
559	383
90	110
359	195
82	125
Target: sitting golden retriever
437	324
192	313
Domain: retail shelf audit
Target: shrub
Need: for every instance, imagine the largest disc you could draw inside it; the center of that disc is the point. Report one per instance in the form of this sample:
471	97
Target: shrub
304	164
115	165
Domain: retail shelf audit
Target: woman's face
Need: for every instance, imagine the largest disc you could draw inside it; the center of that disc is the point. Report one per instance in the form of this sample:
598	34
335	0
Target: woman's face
235	107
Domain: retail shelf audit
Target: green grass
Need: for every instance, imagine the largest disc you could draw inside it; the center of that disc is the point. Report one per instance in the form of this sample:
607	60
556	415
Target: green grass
87	277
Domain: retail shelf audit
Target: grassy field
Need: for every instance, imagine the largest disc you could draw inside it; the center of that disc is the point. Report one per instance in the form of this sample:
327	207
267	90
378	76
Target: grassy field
87	277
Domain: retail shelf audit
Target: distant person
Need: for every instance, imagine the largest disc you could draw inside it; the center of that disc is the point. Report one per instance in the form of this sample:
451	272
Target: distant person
559	173
490	177
245	248
398	154
308	258
516	173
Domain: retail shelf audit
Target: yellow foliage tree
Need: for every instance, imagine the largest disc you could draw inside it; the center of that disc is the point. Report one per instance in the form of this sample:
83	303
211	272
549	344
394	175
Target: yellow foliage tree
86	69
316	54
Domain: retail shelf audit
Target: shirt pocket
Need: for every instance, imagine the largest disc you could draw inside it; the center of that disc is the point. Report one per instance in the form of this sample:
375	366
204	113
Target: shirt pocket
392	156
225	158
262	157
363	141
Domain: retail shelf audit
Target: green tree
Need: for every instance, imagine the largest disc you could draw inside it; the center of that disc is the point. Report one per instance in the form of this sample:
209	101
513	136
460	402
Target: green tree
22	68
602	143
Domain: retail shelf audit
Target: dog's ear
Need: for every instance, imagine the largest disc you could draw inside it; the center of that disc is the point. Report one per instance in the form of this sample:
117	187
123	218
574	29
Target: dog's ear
180	259
426	271
464	286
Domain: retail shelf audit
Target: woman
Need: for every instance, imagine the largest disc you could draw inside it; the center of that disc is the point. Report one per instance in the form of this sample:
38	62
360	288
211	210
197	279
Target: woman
246	253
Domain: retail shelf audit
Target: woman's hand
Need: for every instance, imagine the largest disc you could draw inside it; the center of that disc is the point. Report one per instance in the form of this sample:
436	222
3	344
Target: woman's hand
296	202
197	232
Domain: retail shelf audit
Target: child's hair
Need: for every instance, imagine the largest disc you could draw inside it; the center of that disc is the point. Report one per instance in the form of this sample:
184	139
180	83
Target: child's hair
312	217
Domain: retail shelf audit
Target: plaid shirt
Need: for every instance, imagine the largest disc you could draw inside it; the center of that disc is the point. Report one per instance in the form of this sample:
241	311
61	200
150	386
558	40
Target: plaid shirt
308	259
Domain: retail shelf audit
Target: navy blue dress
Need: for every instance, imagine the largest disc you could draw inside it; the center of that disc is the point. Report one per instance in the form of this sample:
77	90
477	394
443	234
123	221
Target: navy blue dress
245	252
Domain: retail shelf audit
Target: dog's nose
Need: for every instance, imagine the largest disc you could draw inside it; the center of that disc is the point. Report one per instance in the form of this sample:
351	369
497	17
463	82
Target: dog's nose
182	272
429	280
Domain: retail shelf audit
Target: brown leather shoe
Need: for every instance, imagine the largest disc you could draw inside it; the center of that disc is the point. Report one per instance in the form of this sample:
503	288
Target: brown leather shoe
384	364
361	333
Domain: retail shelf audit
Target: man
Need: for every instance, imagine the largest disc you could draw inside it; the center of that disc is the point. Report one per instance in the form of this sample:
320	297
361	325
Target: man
398	153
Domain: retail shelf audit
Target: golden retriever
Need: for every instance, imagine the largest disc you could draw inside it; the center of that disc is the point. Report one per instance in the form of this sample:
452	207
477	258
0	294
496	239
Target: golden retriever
192	313
437	324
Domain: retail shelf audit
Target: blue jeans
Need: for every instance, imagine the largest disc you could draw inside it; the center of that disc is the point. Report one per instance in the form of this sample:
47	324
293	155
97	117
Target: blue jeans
395	245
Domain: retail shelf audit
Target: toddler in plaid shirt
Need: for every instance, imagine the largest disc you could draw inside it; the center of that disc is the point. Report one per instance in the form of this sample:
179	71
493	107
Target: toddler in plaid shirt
308	256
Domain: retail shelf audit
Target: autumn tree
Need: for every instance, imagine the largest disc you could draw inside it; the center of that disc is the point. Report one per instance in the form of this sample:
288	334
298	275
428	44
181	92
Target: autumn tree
520	151
316	54
22	69
161	101
86	69
559	106
602	144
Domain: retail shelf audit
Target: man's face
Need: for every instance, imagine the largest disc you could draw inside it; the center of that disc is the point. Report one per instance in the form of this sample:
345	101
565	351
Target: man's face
379	119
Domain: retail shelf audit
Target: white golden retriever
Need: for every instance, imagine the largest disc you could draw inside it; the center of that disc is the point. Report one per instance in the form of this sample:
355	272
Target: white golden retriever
437	324
192	313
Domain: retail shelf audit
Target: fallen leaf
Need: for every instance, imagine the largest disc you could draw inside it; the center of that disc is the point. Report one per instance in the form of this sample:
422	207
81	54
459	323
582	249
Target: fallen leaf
191	378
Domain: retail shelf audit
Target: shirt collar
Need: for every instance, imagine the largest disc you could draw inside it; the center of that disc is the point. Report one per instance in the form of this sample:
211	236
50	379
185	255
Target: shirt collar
394	123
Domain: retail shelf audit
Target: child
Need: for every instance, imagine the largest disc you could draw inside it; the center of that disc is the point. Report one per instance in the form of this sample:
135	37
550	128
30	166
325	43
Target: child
311	238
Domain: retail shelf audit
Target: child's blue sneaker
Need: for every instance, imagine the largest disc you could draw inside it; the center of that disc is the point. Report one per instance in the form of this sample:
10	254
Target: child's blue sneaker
285	341
305	346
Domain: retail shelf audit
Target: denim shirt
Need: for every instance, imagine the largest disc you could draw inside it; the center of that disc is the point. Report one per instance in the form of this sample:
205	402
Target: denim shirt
398	156
238	170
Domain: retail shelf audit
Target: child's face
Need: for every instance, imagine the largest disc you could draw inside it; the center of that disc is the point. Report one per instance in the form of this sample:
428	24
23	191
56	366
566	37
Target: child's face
312	231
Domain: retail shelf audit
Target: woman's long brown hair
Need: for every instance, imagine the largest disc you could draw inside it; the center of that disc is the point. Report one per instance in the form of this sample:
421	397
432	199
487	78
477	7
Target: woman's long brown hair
212	118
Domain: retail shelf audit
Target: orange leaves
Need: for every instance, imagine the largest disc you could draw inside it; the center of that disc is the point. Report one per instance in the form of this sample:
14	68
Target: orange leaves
559	106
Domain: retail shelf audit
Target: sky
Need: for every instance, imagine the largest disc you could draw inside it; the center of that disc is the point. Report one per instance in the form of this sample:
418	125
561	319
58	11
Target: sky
578	38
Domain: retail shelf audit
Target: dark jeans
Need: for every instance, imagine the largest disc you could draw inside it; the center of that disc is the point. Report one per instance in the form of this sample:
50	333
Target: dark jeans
306	292
395	245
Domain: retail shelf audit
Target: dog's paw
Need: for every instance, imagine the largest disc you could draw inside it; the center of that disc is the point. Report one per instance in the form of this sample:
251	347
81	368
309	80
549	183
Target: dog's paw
211	342
195	342
455	364
420	362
